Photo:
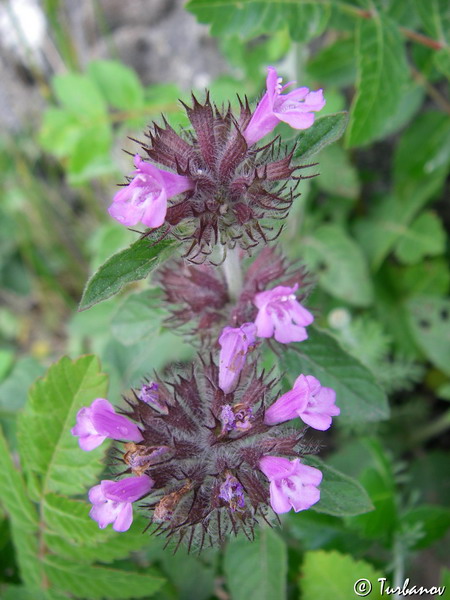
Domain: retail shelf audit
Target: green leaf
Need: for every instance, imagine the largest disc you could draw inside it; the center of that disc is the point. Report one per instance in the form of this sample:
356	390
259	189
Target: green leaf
90	156
325	131
131	264
382	70
14	389
328	575
100	582
250	18
70	519
118	83
432	521
425	237
442	61
419	175
357	393
138	317
78	94
340	495
48	450
13	495
429	318
341	266
23	516
435	18
430	277
60	131
105	546
334	160
335	64
257	570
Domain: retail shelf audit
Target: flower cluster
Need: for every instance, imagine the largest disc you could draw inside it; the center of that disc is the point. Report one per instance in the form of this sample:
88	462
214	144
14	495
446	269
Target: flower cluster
219	186
212	449
203	462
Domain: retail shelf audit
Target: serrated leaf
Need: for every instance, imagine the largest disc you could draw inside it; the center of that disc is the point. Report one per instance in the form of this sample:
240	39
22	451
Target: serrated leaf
48	450
23	516
13	496
324	131
340	495
100	582
131	264
257	570
429	318
357	393
424	237
340	264
118	83
382	71
139	316
70	519
328	575
105	546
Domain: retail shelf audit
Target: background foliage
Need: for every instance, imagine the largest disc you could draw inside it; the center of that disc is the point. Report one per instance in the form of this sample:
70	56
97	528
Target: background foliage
371	229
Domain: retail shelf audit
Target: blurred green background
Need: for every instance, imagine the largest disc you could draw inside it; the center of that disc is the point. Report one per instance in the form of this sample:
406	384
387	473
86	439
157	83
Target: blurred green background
78	80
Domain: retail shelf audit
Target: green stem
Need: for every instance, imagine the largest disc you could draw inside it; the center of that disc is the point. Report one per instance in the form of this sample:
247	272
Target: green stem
434	429
233	273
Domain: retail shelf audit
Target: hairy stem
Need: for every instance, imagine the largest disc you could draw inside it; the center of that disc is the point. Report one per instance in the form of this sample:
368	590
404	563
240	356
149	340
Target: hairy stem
233	273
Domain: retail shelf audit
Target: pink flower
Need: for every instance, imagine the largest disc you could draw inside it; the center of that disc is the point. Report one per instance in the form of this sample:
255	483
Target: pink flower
99	421
112	501
281	316
314	404
144	199
292	484
295	108
234	343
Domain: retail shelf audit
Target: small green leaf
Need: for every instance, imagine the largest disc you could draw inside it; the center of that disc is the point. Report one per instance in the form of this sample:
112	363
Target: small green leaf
60	131
325	131
48	450
341	266
257	570
131	264
78	94
442	61
357	393
432	522
424	237
328	575
340	495
337	174
382	71
118	83
138	317
430	322
97	583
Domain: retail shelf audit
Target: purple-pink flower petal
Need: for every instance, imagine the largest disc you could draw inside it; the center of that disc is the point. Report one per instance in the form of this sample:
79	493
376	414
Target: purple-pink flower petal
234	343
99	421
295	108
112	501
144	199
314	404
292	484
280	315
